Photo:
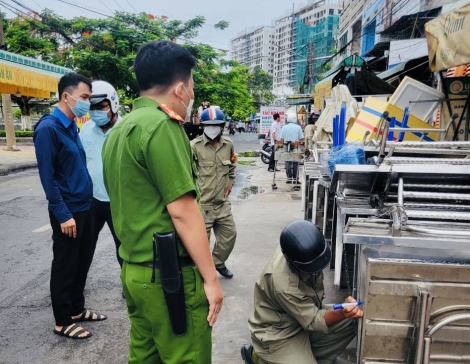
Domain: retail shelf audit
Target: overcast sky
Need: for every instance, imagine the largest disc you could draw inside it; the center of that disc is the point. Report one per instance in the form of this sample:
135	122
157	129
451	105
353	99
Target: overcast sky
240	13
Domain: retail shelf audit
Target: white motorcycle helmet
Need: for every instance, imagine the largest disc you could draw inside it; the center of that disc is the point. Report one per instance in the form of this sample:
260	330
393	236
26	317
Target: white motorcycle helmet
291	117
103	90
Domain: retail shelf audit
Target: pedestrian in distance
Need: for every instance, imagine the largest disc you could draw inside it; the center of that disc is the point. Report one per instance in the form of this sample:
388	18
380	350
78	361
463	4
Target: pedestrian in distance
240	127
215	159
275	133
104	115
171	287
309	132
289	322
69	192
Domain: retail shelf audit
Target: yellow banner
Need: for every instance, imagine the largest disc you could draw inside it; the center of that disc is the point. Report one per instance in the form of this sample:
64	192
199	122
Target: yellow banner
28	83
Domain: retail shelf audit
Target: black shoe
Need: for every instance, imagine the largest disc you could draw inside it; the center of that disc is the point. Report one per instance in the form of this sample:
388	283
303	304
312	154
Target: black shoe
225	272
246	351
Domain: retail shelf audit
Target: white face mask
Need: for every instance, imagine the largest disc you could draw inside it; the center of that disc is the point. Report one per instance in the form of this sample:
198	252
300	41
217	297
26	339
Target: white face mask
212	131
189	108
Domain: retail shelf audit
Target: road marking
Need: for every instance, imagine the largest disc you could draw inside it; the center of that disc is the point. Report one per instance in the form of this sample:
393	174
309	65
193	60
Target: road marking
42	228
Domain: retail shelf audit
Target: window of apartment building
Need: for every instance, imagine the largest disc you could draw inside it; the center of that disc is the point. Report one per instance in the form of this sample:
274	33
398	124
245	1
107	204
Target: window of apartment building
332	11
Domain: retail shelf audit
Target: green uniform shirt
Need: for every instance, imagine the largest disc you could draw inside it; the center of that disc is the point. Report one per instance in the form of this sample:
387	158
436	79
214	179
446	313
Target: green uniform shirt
286	303
147	164
215	168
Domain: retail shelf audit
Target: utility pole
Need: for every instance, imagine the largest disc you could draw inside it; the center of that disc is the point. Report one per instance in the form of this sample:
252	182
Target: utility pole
6	104
310	66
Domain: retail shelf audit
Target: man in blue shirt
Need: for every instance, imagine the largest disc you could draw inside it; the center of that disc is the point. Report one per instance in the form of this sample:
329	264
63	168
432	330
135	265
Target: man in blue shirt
104	114
69	191
291	136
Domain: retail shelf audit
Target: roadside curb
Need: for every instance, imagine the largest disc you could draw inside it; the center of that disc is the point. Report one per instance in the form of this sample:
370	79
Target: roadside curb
18	167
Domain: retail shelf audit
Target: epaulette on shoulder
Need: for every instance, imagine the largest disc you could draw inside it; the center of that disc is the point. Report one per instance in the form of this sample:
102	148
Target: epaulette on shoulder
227	139
170	113
197	139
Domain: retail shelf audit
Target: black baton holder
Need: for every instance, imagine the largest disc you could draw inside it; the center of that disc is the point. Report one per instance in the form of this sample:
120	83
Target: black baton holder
171	278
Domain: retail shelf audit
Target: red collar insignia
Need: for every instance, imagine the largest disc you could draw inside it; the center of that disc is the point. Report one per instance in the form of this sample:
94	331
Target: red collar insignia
171	113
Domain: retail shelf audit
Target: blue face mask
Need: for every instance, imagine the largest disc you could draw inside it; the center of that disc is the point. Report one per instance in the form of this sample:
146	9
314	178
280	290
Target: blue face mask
81	108
100	117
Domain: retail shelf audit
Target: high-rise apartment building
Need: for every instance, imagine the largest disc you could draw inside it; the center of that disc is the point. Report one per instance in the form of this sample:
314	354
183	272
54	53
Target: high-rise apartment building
288	59
281	49
255	47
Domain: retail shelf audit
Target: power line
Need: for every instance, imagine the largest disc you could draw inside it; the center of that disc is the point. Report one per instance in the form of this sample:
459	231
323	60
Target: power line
14	10
25	7
131	6
167	34
101	1
83	8
119	5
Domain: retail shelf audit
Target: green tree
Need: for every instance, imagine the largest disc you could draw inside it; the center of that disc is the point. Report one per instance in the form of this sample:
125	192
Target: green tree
222	82
33	39
106	48
260	85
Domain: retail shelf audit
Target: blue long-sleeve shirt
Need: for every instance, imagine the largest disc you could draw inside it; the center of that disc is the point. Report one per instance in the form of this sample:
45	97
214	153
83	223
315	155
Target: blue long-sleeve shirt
62	166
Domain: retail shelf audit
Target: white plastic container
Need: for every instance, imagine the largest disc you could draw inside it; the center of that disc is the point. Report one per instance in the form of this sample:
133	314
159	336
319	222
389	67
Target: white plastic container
412	90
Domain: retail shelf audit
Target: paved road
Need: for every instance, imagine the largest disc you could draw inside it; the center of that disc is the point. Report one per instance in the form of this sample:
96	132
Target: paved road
25	242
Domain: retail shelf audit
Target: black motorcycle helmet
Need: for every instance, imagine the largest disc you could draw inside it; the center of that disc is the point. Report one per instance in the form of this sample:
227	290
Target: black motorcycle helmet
304	246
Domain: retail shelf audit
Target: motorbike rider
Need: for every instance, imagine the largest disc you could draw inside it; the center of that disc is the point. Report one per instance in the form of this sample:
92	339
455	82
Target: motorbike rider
215	159
104	115
289	323
232	128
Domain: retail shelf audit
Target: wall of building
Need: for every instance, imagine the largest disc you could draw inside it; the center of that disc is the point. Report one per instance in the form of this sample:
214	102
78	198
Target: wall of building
254	48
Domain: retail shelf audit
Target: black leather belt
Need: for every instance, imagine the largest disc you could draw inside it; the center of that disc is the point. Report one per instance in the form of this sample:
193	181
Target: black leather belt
184	262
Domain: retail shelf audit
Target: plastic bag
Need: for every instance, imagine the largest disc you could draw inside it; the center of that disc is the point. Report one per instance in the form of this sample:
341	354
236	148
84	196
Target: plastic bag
350	153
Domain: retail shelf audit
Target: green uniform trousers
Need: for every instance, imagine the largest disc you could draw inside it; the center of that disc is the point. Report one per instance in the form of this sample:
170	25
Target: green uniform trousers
308	347
220	219
152	340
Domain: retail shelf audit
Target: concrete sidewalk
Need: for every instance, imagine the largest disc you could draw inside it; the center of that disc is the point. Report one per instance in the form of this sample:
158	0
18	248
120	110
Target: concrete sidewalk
13	161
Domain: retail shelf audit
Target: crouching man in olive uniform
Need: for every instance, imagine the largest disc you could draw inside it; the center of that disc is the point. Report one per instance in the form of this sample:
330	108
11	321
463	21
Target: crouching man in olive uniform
289	323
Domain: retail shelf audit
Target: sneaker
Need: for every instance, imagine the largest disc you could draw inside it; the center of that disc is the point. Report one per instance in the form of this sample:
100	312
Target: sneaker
246	351
225	272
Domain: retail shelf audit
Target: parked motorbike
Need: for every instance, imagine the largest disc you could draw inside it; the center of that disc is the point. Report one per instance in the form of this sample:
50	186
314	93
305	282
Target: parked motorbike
266	151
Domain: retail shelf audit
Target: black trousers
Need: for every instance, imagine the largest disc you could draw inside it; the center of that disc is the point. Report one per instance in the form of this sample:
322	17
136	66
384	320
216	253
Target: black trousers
291	169
272	162
70	265
102	215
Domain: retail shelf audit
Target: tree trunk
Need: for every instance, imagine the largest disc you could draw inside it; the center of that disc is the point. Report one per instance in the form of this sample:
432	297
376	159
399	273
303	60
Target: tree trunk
26	122
25	107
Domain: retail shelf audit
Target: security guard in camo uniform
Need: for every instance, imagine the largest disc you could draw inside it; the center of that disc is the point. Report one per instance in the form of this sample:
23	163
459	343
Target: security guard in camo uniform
215	159
289	323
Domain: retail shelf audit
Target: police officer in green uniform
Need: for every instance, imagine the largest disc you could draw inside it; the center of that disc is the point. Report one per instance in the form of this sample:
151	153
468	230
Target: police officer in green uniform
289	323
150	177
215	158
